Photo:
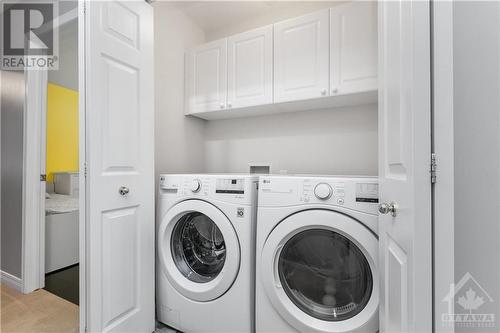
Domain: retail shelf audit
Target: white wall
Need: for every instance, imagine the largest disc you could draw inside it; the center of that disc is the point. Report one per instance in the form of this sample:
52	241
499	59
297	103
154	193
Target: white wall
276	12
477	148
67	74
178	139
339	141
12	118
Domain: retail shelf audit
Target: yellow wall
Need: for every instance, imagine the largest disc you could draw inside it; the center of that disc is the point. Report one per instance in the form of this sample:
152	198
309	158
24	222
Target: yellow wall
62	130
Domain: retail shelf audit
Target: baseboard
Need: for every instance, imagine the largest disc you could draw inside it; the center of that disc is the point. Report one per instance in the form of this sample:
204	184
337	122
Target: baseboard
12	281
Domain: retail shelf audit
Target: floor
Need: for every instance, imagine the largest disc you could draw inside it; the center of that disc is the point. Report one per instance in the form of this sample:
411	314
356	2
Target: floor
64	283
160	328
39	311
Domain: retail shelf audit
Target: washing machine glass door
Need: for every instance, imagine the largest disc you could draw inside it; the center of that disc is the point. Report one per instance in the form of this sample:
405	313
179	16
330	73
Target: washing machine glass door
198	247
198	250
323	268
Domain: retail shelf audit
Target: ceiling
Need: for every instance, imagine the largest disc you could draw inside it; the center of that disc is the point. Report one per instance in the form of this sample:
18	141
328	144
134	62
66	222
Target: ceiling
213	15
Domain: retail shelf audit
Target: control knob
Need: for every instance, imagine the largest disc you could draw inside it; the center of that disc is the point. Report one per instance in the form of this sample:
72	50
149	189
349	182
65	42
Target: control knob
323	191
195	186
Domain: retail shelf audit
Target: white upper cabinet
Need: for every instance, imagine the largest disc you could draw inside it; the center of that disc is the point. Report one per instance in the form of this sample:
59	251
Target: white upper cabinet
321	60
250	68
353	47
301	57
206	77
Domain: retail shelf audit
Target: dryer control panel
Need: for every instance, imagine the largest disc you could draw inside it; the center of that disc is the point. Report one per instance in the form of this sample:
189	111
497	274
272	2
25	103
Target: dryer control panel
359	193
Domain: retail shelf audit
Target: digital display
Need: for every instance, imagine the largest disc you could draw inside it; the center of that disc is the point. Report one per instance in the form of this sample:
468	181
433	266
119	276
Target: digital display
230	186
367	192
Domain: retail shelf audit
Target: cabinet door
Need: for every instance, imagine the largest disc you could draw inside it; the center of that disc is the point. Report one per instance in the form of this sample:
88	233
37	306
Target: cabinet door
206	77
250	68
301	47
353	34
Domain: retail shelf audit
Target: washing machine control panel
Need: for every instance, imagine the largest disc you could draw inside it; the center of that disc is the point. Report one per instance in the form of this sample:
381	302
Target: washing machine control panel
323	191
230	186
184	186
169	184
227	188
195	186
355	193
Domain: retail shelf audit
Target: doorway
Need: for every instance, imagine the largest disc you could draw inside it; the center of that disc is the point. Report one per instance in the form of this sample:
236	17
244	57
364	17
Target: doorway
50	223
62	170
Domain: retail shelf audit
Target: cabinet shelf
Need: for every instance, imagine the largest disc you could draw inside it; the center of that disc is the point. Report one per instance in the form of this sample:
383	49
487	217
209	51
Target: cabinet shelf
322	103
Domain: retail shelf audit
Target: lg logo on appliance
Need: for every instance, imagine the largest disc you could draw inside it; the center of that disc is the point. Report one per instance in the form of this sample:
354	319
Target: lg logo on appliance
30	37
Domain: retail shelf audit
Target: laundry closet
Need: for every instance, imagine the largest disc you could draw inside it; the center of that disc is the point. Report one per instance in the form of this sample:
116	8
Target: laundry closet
273	89
279	87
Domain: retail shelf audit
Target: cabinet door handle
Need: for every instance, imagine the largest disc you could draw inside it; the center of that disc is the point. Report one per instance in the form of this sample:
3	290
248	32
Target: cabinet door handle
222	106
334	90
323	92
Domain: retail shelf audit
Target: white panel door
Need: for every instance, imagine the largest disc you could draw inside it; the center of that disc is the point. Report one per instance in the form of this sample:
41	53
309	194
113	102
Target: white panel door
404	163
301	57
206	77
120	159
353	47
250	68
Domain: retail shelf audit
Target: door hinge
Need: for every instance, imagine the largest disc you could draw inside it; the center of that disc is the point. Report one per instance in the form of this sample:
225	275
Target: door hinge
433	168
43	178
85	169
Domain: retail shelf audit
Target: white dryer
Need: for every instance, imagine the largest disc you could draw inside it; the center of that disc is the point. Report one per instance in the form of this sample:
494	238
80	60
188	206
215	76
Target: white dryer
206	252
317	253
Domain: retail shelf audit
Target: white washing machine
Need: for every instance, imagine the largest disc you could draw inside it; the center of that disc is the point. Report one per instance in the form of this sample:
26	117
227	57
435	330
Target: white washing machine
206	252
317	250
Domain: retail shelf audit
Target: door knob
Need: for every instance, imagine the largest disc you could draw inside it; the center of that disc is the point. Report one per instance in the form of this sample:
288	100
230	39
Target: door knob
123	190
386	208
323	92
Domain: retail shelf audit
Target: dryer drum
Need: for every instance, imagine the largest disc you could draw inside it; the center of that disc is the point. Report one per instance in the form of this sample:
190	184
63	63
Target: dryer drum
198	247
325	274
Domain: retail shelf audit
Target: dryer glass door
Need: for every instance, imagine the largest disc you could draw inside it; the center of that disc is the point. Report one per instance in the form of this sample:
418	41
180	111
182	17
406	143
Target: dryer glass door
325	274
198	247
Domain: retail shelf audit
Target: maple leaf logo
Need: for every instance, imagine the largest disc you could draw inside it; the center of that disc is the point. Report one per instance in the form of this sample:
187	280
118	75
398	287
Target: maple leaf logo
470	301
